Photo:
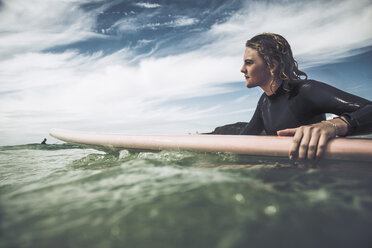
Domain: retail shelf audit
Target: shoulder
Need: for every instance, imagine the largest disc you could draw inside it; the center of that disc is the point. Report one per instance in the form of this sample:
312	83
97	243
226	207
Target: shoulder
311	84
309	87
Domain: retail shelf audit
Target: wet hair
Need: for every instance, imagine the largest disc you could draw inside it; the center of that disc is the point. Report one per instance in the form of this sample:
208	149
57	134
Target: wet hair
275	47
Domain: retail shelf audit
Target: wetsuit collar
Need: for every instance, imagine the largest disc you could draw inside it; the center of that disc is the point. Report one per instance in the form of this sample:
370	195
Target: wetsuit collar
279	91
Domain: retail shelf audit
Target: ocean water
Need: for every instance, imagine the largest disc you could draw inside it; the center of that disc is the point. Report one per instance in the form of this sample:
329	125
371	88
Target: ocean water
66	195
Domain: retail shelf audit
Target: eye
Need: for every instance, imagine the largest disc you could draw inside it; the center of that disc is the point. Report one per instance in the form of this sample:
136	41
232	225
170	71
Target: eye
248	62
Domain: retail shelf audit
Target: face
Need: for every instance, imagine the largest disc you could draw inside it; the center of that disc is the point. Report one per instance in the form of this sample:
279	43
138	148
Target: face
255	70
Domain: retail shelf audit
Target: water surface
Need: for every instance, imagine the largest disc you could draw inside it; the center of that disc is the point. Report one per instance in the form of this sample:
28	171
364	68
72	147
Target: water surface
70	196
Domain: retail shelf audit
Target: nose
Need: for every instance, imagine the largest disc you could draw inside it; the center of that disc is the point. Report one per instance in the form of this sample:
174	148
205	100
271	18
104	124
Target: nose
243	69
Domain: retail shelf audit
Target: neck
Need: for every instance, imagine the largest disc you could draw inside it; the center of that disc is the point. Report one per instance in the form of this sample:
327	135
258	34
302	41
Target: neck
270	88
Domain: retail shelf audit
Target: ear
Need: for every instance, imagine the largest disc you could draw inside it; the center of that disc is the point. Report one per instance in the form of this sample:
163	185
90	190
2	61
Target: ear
274	66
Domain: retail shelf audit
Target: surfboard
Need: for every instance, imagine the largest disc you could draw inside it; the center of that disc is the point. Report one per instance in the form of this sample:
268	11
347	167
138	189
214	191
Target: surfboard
356	149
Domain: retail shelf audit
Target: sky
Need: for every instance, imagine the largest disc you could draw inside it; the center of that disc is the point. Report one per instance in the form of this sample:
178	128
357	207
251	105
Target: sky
161	66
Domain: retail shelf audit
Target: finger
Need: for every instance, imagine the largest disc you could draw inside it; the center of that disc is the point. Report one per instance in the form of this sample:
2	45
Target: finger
322	144
286	132
311	150
295	143
304	144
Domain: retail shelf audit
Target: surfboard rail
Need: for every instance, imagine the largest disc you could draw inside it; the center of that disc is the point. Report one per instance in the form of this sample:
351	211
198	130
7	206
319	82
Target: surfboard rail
356	149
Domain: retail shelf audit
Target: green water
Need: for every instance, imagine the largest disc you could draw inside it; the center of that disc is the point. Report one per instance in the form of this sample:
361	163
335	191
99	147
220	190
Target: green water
69	196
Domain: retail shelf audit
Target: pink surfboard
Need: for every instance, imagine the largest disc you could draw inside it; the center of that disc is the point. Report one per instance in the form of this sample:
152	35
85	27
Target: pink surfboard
356	149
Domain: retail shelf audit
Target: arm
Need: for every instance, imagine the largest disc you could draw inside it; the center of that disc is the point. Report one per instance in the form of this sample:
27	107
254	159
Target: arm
360	120
355	110
356	118
255	126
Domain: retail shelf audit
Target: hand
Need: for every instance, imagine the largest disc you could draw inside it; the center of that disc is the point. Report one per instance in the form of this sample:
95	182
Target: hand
310	141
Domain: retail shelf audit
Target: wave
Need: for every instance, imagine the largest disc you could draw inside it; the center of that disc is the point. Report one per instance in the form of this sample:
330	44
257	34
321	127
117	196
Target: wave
36	146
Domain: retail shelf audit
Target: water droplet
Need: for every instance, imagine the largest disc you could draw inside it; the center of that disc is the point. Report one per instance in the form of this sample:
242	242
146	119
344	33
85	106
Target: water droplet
270	210
154	213
239	198
115	231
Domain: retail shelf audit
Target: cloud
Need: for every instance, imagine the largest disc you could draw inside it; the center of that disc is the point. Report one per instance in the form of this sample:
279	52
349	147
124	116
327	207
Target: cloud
102	90
38	25
135	24
319	32
184	21
148	5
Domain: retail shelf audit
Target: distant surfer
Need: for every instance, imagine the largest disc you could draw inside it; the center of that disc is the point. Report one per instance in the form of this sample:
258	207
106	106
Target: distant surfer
292	106
44	141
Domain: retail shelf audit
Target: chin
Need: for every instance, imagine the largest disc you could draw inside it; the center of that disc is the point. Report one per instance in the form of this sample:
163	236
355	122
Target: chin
249	84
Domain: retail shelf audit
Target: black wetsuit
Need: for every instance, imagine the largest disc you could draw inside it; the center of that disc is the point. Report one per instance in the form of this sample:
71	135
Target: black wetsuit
307	103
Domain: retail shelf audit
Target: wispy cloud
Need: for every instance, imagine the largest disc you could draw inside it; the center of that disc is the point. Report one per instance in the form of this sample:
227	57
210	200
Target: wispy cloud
183	21
319	31
100	89
148	5
96	91
29	26
134	25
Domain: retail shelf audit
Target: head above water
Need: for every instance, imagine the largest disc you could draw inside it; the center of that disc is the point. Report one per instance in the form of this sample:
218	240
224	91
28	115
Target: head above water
274	47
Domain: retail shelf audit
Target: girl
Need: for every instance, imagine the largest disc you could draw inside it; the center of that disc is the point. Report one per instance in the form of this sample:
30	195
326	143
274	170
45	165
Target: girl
294	106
